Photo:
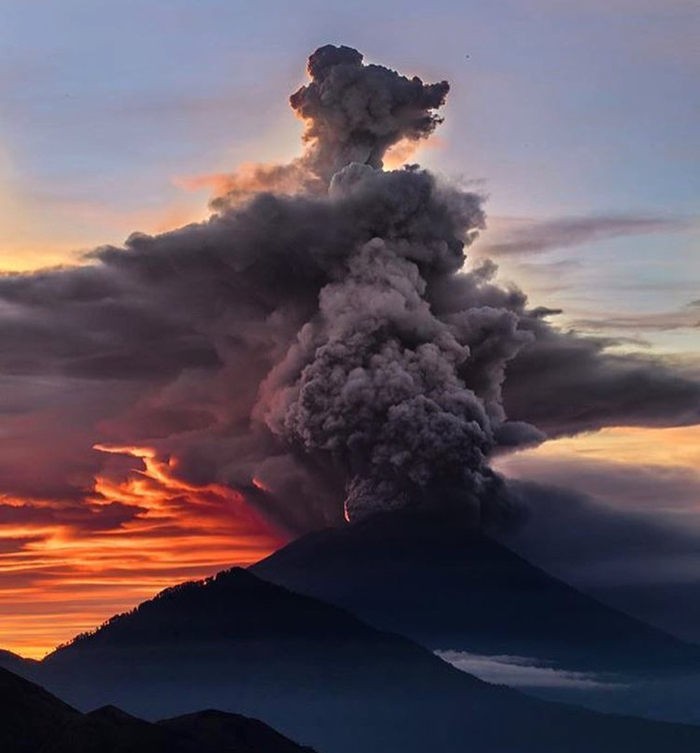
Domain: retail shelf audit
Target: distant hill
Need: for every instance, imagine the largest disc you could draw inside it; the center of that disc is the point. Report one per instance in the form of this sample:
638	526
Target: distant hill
15	663
29	715
430	575
34	721
319	675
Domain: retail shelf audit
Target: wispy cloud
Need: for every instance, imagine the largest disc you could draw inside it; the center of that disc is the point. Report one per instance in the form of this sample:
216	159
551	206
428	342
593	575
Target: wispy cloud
510	236
685	317
521	671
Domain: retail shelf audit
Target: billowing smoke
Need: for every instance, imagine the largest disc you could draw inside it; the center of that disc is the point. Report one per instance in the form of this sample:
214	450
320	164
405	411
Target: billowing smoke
316	343
355	112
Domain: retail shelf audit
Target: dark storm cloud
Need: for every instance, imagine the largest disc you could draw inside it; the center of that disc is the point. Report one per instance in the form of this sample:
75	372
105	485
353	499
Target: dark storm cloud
598	541
320	349
538	236
565	384
630	538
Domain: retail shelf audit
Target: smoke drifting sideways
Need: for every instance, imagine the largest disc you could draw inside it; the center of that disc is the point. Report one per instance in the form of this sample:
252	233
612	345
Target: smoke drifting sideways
317	344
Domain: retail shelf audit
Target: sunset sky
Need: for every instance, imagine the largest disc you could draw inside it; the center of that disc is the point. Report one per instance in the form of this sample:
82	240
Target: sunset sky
579	124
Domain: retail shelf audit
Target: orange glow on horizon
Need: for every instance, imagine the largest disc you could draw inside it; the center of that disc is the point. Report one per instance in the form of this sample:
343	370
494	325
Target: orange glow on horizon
62	576
674	446
65	569
584	462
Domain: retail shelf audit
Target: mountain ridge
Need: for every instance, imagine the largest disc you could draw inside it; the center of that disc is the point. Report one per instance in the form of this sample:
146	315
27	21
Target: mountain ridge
320	675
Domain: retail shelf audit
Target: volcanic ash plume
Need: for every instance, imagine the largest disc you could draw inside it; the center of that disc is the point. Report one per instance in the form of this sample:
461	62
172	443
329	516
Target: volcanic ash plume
375	379
355	112
316	344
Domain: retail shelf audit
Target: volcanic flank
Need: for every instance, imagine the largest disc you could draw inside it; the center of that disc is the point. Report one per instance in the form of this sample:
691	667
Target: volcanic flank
317	344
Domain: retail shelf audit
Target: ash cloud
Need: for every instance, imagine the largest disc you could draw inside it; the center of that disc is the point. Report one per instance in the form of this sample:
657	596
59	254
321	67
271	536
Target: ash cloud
355	112
317	344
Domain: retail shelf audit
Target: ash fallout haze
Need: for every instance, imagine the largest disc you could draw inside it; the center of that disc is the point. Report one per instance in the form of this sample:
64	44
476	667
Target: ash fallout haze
330	380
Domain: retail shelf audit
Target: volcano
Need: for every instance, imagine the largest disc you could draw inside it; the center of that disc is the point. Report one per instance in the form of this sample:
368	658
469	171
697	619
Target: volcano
429	573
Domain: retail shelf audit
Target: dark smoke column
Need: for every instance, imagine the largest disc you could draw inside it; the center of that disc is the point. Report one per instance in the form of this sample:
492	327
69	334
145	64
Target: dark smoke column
375	383
355	112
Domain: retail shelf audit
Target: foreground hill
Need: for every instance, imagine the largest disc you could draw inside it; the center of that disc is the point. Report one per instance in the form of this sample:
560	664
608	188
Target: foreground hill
430	575
29	715
34	721
320	675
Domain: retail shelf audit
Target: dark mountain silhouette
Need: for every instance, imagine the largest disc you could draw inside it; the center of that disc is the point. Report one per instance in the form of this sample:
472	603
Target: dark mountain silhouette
429	574
231	733
320	675
15	663
29	715
34	721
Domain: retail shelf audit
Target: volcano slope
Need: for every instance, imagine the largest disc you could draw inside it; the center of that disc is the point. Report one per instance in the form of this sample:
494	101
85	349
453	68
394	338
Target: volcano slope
430	574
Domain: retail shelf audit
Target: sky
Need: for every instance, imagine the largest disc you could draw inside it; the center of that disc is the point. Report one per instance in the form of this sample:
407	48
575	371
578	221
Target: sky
577	121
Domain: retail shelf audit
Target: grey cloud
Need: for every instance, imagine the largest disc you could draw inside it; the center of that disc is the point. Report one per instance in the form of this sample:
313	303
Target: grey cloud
538	236
667	491
565	384
687	317
595	541
629	537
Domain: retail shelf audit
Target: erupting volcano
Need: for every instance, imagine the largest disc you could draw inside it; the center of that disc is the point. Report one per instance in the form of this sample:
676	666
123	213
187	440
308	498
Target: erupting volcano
321	352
